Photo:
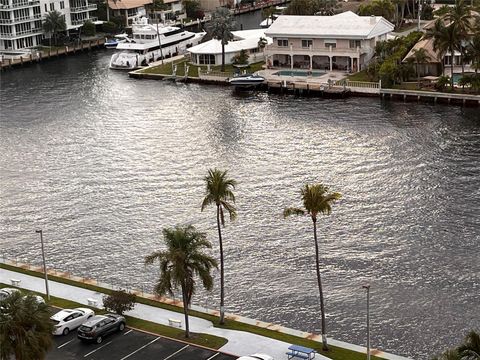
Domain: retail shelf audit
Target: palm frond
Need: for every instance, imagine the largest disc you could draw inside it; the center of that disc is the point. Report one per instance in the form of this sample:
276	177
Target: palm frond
292	211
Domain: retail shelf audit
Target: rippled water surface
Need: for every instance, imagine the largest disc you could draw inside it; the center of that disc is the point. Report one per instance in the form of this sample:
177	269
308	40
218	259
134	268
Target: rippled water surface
102	163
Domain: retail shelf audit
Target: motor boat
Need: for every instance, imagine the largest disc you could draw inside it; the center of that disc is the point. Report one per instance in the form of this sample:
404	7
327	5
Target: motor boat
117	39
246	80
151	43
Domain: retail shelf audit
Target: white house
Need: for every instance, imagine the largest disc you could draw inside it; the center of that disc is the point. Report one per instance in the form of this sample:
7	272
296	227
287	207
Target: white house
340	42
210	52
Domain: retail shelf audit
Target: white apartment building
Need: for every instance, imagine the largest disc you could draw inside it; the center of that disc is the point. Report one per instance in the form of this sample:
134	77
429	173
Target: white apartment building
21	20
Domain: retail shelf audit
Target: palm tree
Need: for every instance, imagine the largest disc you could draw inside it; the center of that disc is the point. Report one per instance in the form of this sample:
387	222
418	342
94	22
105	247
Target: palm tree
221	27
473	52
470	349
420	56
459	17
181	262
445	38
54	23
25	328
219	192
316	199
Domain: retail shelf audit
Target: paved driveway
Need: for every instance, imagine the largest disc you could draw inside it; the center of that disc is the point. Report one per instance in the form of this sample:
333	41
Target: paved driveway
132	345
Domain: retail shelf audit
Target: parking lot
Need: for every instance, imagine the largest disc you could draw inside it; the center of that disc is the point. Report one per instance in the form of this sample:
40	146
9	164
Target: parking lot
132	345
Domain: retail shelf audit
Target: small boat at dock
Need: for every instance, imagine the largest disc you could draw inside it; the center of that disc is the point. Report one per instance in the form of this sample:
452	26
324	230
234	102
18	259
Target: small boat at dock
117	39
246	80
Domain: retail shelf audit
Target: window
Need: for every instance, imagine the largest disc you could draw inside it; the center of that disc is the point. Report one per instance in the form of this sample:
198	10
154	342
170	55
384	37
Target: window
355	43
46	10
307	43
204	59
52	6
62	5
282	42
332	43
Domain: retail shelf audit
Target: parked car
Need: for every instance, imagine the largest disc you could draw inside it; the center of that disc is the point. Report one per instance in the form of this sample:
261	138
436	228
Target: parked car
67	320
100	326
256	357
6	292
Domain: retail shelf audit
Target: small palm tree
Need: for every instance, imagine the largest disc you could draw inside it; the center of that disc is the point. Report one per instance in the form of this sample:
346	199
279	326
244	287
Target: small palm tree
53	24
25	328
221	27
181	262
420	56
473	52
470	349
316	200
219	191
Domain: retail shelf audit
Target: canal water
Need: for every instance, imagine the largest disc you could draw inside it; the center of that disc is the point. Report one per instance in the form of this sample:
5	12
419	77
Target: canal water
102	163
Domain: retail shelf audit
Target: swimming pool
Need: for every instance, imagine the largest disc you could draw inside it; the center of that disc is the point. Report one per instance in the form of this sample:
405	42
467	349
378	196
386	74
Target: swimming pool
299	73
458	76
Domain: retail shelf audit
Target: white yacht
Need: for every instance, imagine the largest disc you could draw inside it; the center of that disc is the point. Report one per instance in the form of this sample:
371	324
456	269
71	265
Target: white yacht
150	43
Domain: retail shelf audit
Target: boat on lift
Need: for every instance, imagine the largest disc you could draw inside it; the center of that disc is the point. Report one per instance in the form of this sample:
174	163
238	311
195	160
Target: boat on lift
117	39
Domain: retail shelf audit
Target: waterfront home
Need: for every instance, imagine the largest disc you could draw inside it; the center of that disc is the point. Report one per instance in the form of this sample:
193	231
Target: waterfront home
129	9
174	12
211	5
21	20
340	42
210	52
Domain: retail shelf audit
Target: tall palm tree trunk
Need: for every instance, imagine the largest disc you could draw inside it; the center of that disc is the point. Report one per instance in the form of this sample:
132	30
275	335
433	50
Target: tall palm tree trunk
223	56
452	57
319	279
222	292
185	310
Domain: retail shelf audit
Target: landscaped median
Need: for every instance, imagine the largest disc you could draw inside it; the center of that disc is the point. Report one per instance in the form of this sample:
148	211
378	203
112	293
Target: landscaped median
199	339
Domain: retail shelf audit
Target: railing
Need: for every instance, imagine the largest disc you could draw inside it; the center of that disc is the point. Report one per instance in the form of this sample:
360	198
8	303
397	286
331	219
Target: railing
217	74
21	19
320	50
358	84
20	4
20	33
82	21
80	9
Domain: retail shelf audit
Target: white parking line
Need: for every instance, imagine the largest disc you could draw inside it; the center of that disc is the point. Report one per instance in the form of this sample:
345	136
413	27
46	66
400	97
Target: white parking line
91	352
211	357
68	342
143	347
128	332
176	352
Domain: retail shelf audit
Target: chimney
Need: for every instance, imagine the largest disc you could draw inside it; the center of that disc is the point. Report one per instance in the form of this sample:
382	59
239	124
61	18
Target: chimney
373	20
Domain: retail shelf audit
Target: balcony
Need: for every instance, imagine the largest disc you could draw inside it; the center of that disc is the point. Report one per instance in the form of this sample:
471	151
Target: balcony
24	33
20	4
20	19
82	21
81	9
315	51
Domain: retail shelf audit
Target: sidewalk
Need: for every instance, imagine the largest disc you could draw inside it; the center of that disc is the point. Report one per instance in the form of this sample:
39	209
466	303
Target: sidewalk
239	342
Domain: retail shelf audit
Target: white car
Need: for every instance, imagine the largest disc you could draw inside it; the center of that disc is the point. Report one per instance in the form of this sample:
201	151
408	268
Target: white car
256	357
6	292
67	320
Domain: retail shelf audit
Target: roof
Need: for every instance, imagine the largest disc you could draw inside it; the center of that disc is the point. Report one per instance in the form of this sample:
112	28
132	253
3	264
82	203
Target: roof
344	25
243	40
427	44
127	4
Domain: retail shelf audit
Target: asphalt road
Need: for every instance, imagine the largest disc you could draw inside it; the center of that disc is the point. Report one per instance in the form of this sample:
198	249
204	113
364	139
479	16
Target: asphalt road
132	345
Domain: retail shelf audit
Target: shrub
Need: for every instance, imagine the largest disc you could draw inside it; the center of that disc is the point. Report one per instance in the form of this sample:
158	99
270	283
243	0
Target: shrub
119	301
109	27
88	28
442	83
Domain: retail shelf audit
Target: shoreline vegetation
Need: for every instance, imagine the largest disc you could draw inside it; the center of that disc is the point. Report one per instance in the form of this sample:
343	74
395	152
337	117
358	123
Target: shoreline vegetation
335	353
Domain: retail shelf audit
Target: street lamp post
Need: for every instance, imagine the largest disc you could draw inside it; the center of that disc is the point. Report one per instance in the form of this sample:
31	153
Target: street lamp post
44	264
367	287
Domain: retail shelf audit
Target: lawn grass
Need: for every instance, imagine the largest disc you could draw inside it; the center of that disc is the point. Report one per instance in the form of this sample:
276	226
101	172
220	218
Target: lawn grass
335	353
166	68
359	76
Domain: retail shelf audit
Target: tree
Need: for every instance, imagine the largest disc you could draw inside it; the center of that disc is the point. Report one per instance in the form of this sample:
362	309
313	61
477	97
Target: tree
383	8
221	28
119	301
420	56
219	191
470	349
300	7
53	24
445	38
25	328
473	52
109	27
316	199
181	261
241	58
192	9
